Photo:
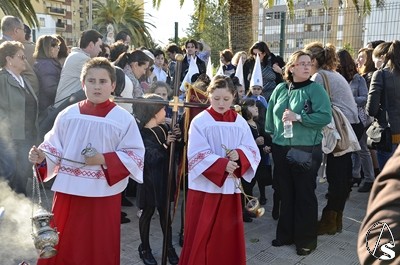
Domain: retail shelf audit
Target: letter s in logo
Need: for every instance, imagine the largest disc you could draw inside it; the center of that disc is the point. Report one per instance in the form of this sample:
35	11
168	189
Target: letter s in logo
389	254
380	250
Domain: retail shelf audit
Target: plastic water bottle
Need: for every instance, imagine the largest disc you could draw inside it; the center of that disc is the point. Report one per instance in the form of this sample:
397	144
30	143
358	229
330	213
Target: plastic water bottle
288	129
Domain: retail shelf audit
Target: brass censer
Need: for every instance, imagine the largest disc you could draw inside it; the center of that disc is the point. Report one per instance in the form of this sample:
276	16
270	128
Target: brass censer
45	238
252	204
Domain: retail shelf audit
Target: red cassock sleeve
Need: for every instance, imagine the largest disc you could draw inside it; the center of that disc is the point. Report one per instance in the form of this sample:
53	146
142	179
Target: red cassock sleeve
243	163
41	170
116	170
216	172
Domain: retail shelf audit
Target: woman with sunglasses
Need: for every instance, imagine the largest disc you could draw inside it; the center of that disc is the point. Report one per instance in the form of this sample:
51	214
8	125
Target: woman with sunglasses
18	116
47	69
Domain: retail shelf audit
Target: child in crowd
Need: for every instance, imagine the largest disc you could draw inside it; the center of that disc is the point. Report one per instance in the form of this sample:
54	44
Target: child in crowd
263	140
164	90
93	148
152	193
220	151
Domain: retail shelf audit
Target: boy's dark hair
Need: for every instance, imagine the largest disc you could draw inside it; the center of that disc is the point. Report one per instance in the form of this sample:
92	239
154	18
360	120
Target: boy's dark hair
121	36
193	41
116	49
145	112
245	104
157	52
89	36
173	48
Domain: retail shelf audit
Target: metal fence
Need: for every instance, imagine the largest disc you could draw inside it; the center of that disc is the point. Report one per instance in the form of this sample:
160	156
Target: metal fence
342	27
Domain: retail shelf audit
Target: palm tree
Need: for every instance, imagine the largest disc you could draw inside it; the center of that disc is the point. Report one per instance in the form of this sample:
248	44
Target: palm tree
20	8
123	15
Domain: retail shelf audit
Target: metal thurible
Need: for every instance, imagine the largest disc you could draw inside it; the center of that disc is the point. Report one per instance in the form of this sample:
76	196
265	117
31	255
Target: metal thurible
89	151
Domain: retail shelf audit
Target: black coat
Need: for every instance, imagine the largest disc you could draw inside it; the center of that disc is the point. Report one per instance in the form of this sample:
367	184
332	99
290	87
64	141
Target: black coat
201	65
153	191
248	67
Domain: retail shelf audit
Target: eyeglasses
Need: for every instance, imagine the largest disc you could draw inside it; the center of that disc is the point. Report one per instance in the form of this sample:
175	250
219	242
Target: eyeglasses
304	64
22	57
257	88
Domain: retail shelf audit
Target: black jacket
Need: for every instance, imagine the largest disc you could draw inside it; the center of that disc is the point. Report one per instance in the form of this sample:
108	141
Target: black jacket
201	65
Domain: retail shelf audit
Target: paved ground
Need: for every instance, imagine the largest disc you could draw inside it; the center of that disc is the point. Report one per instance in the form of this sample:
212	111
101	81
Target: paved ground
339	249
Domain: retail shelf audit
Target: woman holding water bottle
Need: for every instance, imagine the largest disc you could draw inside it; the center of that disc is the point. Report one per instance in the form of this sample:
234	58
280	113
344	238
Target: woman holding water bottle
297	111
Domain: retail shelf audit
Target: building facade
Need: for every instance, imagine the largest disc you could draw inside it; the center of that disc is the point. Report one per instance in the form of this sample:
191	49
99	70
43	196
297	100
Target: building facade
339	25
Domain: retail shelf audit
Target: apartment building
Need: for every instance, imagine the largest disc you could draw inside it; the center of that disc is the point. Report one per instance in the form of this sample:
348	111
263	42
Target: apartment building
340	25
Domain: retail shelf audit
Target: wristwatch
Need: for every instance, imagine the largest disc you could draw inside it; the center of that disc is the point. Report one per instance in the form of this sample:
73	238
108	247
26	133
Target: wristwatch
298	117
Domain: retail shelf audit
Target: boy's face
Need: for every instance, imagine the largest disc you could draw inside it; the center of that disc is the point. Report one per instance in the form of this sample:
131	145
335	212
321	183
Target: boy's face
256	90
97	85
159	60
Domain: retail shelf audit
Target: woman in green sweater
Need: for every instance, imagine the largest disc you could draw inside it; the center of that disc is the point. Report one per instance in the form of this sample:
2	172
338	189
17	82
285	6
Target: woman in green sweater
307	106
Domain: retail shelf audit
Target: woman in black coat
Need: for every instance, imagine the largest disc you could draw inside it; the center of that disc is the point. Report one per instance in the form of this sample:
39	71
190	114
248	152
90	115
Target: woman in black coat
271	67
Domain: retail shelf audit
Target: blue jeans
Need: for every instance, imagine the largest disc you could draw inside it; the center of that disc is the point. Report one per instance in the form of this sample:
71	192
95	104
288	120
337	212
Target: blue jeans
362	159
383	156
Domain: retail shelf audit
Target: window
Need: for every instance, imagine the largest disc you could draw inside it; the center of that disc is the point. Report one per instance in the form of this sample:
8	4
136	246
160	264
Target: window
299	43
42	22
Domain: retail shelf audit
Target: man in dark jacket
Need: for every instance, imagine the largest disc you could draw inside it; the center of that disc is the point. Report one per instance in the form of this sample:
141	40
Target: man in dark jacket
191	47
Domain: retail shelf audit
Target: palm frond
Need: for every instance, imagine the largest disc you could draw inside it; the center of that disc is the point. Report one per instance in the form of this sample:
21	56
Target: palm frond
21	9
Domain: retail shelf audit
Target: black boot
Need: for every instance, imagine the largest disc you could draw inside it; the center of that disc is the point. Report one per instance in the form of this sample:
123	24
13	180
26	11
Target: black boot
172	256
181	238
146	256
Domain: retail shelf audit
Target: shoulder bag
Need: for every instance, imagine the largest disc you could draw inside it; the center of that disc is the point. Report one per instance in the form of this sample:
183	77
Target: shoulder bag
379	133
339	131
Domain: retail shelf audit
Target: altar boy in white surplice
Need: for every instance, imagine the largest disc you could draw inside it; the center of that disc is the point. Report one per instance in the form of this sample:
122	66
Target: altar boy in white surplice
221	149
88	185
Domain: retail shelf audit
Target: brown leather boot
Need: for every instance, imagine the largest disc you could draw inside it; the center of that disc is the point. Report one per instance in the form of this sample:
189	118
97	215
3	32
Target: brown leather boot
339	221
327	224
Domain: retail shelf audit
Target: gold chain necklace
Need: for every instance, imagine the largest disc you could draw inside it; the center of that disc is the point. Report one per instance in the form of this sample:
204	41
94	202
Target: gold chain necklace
158	139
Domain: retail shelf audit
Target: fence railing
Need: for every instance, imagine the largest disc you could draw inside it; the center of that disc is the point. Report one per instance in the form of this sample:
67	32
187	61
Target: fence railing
339	26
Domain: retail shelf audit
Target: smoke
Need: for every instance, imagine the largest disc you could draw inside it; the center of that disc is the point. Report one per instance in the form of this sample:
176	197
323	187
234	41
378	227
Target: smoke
16	244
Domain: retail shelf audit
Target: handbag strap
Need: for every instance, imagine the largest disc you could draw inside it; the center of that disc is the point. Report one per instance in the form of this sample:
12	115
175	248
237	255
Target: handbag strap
326	84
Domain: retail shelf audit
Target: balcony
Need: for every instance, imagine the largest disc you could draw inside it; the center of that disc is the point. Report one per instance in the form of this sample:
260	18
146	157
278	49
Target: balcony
60	26
56	11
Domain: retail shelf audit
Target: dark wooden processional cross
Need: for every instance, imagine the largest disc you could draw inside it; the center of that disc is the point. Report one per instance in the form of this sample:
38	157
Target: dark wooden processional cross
174	104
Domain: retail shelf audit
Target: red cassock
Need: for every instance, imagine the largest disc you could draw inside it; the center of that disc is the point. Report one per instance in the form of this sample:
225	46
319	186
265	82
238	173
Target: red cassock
214	231
89	226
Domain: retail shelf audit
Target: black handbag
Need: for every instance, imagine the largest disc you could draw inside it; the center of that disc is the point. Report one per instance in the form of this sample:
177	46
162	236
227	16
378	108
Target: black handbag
299	160
379	135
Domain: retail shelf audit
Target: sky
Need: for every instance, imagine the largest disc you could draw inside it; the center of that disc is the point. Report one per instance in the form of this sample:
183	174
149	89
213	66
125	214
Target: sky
164	19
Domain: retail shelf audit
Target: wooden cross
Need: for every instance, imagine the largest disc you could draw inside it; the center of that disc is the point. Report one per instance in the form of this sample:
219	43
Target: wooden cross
174	104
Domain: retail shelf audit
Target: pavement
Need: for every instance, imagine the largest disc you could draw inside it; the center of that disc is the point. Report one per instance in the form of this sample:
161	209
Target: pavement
338	249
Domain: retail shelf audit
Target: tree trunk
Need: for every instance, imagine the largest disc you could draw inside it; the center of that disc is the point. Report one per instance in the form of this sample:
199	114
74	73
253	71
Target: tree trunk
240	25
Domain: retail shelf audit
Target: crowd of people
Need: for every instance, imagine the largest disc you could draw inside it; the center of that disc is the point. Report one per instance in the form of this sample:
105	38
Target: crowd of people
55	106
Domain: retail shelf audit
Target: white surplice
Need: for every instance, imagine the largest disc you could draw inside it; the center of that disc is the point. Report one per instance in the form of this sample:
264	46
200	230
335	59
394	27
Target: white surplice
72	132
205	146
